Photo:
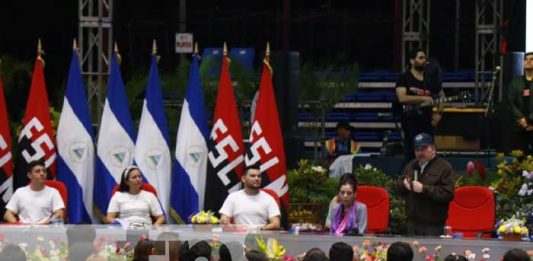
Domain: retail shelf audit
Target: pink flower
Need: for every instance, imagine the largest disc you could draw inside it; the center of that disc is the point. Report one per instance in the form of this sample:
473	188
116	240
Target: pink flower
366	243
415	243
470	168
475	165
422	250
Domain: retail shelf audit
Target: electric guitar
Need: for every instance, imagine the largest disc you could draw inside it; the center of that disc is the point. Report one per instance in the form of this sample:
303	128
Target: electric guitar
416	109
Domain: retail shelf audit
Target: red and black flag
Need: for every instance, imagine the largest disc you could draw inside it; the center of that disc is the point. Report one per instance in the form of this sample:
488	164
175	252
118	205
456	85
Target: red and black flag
226	148
36	139
266	140
6	157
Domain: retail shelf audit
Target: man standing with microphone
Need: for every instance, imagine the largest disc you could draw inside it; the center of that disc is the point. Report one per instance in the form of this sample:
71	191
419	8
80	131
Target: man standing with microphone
428	185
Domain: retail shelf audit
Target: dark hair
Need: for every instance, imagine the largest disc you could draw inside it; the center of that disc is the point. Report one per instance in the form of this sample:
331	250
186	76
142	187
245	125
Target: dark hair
454	257
315	254
174	244
124	187
252	166
413	53
348	179
399	251
80	241
255	255
224	254
143	250
341	251
12	253
34	163
516	254
200	249
344	125
526	54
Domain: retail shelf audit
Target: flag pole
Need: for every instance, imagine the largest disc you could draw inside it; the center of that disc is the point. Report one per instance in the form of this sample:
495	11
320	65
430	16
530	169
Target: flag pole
115	49
154	47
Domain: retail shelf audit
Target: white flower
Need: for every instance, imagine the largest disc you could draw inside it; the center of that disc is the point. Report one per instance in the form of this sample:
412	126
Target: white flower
318	168
527	175
368	166
523	190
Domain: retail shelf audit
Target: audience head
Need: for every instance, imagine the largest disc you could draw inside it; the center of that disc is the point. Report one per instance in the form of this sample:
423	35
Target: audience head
344	130
12	253
341	251
454	257
143	250
174	245
255	255
347	189
252	177
399	251
200	249
131	177
224	253
315	254
516	255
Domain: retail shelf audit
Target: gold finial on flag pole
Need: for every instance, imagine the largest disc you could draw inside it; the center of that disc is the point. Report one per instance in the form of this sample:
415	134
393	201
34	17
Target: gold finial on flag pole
225	50
74	45
40	51
154	47
195	48
266	60
115	49
267	52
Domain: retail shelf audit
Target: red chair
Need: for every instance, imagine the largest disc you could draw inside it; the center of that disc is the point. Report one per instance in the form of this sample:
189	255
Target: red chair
472	212
145	186
377	203
62	189
273	194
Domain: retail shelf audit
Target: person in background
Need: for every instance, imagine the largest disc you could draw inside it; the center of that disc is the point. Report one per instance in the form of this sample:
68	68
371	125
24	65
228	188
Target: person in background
341	251
400	251
521	100
343	144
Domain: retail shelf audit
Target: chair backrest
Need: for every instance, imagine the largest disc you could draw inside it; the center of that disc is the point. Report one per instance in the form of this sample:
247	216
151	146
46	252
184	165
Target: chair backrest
273	194
61	188
377	203
472	210
145	186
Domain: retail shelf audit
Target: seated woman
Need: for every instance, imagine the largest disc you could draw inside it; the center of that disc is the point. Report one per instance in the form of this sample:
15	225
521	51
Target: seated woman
131	205
347	216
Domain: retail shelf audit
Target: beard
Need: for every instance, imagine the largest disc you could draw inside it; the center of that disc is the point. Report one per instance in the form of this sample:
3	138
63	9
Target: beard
418	67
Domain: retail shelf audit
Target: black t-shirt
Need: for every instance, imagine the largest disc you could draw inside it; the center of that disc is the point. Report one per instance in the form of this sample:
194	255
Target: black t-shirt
416	87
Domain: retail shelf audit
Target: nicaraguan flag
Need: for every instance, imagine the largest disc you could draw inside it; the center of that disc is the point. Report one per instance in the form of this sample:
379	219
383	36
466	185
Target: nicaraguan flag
152	153
189	173
75	164
115	147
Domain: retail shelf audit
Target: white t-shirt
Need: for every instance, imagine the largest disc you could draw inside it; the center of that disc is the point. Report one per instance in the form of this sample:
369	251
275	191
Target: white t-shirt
250	210
135	209
33	207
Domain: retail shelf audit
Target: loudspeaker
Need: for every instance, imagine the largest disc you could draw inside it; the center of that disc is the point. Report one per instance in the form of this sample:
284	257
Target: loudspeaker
286	80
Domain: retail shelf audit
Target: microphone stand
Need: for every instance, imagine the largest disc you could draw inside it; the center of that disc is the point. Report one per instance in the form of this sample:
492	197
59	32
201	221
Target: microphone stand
490	108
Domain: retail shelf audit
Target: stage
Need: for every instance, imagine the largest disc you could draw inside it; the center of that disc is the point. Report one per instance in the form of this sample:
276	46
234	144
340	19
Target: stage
41	237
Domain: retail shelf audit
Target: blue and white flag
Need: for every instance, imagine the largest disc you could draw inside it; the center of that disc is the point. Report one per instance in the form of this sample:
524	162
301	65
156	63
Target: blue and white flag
189	173
115	147
75	146
152	152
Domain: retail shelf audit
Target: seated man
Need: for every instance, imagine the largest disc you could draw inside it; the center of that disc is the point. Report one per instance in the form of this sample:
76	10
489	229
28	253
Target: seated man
251	206
343	144
35	203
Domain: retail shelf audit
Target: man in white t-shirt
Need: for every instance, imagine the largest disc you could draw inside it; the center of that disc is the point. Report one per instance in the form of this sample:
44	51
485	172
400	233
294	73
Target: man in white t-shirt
35	203
251	206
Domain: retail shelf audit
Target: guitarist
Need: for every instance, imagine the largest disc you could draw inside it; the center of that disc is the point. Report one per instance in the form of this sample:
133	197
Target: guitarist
420	83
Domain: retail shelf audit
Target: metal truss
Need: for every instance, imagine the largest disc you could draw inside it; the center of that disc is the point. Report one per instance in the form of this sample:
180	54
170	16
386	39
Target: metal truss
488	43
95	36
415	26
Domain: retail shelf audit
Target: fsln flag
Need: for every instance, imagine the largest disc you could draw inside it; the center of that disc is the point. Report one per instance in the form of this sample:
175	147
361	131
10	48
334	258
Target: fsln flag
75	148
152	153
115	147
36	139
266	140
6	156
189	172
226	148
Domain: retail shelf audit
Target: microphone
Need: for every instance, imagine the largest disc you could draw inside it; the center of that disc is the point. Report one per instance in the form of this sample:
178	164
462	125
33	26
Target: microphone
496	70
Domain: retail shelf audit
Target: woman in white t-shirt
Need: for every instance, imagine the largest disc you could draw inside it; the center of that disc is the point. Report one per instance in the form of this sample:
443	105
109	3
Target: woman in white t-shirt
132	206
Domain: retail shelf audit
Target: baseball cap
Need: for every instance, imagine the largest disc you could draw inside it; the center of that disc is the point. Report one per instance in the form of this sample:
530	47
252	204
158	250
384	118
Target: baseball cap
423	139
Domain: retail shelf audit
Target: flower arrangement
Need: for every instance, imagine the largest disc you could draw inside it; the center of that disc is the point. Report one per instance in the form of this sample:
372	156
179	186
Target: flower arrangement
272	249
376	251
204	217
53	250
113	250
512	228
423	251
